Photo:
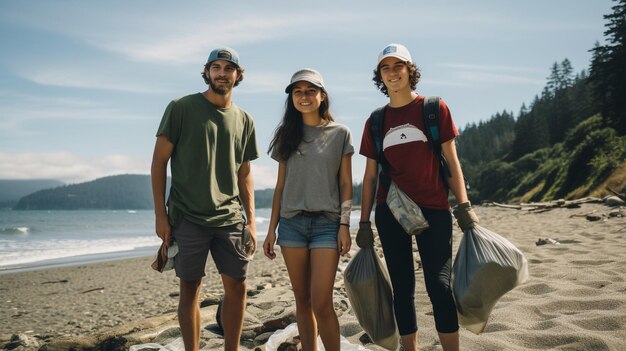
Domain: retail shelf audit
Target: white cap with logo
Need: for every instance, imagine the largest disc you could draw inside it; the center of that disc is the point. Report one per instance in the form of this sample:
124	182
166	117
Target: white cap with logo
397	51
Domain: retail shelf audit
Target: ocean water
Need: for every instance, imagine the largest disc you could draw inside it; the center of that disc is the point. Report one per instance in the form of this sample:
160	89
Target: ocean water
39	239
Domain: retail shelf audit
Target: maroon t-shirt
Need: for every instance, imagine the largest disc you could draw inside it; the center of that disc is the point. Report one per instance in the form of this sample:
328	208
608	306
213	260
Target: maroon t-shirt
413	165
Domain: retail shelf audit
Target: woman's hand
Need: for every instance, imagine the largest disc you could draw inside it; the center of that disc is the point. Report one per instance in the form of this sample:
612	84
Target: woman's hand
268	245
344	241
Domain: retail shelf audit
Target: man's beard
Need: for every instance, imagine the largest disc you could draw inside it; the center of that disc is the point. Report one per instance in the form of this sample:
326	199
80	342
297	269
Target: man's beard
219	89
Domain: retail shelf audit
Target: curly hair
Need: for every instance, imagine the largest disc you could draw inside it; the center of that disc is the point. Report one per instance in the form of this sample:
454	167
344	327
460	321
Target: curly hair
414	77
289	133
206	79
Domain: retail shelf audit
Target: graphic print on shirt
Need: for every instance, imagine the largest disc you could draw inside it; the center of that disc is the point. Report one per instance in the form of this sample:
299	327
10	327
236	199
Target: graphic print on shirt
403	134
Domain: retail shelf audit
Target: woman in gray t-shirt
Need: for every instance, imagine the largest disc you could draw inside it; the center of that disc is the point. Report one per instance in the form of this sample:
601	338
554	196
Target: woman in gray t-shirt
311	204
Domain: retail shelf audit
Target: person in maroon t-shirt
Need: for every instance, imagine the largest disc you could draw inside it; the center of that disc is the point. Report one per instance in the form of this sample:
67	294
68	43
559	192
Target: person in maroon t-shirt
414	167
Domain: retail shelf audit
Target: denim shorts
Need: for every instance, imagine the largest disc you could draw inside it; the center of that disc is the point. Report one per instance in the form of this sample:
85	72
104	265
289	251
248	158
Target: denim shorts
312	231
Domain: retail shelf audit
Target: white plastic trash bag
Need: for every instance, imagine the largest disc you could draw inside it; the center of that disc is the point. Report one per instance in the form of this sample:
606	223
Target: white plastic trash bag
371	298
486	267
175	345
282	335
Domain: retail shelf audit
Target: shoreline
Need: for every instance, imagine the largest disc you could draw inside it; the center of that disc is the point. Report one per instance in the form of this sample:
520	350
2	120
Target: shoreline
77	260
575	297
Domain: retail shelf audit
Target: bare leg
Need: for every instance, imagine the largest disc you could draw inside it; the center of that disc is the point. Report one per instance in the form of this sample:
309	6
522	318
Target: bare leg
409	342
297	262
324	267
189	313
449	341
233	309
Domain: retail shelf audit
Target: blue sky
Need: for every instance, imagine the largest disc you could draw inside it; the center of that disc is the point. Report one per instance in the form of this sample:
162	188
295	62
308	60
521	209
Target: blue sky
83	84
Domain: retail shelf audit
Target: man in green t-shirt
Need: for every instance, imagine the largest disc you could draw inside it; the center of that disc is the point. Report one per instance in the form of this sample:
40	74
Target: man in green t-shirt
210	142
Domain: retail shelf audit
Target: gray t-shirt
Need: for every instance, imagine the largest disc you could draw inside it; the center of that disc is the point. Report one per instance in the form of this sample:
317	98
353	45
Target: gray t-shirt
312	172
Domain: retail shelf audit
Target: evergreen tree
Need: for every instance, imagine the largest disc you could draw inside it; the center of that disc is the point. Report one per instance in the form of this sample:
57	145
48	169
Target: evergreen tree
553	82
608	69
566	78
531	129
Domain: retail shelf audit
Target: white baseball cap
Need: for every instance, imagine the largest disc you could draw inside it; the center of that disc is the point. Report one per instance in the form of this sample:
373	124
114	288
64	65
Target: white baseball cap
395	50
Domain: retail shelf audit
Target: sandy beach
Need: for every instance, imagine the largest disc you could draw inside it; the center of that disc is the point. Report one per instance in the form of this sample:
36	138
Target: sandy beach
575	298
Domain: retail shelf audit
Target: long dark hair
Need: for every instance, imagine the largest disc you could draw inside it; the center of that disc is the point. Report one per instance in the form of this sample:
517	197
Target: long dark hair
289	133
414	78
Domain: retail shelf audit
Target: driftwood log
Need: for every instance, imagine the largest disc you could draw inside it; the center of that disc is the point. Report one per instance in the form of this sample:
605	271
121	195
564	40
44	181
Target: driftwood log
621	196
546	206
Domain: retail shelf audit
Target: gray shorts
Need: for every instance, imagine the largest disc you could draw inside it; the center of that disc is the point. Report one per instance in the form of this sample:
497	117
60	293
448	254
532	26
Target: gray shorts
226	244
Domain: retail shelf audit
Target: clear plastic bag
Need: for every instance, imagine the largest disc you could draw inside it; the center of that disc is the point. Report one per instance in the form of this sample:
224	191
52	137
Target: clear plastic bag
369	291
405	211
282	335
485	268
176	345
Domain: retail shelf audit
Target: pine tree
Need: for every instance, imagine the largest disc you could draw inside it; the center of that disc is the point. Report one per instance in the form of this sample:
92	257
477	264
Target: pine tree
608	70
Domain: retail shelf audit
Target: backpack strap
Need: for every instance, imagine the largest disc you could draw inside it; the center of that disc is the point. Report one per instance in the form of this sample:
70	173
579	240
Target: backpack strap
377	119
431	123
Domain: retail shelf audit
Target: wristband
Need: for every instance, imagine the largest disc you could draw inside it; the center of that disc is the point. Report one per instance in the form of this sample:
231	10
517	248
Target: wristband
346	207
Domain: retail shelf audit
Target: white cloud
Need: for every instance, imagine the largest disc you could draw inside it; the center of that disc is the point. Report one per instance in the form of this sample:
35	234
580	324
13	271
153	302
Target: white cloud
496	68
72	168
487	77
264	176
463	74
75	76
68	167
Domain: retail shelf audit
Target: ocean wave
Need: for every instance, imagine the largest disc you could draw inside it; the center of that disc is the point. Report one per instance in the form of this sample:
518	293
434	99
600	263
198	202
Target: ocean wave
41	250
15	230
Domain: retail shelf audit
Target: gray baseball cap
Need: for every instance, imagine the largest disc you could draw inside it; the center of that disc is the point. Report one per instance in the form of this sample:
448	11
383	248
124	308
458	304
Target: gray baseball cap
306	75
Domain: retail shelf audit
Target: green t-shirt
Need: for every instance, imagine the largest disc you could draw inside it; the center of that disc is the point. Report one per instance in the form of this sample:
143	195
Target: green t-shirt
210	144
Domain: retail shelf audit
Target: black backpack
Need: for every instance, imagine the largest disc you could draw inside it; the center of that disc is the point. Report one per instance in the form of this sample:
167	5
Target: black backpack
431	121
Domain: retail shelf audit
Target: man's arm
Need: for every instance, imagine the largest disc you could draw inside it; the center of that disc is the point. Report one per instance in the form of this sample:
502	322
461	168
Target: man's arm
246	194
365	235
162	152
368	190
456	182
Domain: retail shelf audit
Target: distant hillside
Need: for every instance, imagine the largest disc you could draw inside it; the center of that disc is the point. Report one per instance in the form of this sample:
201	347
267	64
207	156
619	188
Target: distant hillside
114	192
11	190
14	189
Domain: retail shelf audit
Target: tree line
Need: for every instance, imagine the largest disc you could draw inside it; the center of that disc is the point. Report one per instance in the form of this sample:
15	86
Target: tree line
567	143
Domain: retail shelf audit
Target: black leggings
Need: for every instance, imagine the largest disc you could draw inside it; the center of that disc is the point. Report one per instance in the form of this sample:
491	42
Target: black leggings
435	249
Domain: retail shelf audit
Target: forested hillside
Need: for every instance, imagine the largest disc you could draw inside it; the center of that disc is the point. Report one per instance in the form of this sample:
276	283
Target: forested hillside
571	140
11	190
121	192
114	192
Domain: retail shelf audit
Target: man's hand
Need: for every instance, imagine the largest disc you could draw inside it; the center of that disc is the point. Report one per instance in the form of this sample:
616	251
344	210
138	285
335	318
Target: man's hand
249	240
163	229
365	235
465	216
